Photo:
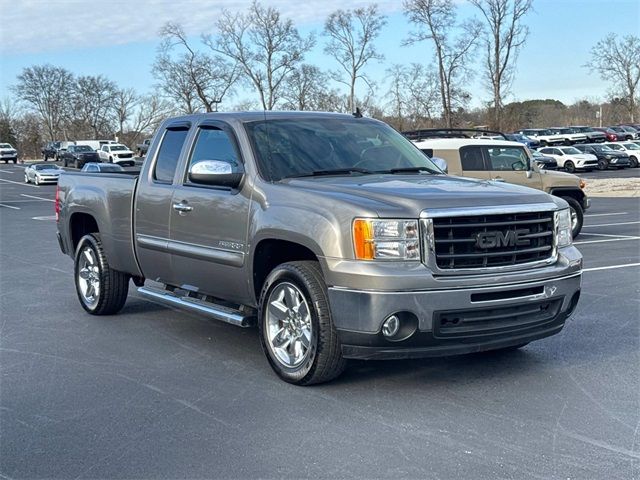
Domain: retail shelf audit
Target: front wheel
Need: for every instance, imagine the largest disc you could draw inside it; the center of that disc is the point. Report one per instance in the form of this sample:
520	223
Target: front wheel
26	179
569	166
577	215
633	162
101	289
602	165
295	325
36	180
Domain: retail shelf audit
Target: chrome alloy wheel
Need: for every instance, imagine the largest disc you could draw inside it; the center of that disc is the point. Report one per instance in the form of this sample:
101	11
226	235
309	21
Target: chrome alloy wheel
289	327
89	277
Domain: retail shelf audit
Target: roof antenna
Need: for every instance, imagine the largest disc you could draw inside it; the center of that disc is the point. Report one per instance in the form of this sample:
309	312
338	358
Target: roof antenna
357	113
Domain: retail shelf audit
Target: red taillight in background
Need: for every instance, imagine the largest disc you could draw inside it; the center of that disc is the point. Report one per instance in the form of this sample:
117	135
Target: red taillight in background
57	203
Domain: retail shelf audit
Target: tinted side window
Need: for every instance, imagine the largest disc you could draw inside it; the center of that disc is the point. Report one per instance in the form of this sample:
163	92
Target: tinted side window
213	144
169	154
471	158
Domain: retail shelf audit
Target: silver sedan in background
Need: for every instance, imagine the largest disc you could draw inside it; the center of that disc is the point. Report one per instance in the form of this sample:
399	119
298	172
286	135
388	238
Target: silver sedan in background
42	173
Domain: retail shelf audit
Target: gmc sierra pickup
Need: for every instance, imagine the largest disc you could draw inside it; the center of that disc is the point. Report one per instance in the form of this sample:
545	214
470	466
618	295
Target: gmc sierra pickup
333	233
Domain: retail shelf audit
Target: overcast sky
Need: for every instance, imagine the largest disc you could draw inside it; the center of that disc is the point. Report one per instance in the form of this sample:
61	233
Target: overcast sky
119	39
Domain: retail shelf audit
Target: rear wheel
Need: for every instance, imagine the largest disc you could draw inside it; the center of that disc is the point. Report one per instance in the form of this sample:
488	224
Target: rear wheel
101	289
569	166
577	215
295	325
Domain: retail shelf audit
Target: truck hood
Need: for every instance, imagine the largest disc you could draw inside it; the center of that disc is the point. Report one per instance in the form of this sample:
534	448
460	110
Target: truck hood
407	195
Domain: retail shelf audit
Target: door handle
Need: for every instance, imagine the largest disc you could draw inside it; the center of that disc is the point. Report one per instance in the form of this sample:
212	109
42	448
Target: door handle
182	207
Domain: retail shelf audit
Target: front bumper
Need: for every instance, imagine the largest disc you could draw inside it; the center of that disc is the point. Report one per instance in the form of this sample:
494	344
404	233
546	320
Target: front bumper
48	179
492	317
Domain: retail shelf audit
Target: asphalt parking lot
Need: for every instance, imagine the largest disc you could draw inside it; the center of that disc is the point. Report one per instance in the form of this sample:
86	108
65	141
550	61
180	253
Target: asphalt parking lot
160	393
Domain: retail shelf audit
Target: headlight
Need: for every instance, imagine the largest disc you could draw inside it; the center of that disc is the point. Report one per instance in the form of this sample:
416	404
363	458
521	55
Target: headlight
563	227
386	239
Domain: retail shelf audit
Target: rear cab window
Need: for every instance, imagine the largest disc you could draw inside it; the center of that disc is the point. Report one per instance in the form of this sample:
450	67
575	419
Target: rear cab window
169	154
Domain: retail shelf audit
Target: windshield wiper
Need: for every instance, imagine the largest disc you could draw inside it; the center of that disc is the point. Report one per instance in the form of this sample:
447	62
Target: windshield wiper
337	171
409	170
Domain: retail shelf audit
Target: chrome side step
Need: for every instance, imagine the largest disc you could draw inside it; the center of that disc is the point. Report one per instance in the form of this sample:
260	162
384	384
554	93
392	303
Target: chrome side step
217	312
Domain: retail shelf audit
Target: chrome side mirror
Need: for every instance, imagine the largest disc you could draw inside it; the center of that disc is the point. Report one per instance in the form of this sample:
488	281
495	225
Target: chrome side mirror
216	173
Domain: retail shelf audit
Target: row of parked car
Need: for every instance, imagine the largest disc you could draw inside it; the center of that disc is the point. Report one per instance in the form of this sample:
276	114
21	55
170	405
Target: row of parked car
542	137
80	152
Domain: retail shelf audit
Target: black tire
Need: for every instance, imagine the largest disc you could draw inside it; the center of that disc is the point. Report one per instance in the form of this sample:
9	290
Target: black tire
569	166
324	360
15	160
543	143
114	285
78	165
567	142
65	162
575	206
603	165
633	162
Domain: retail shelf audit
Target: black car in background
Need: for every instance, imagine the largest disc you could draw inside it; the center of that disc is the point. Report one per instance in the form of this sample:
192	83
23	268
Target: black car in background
544	162
606	156
50	150
78	155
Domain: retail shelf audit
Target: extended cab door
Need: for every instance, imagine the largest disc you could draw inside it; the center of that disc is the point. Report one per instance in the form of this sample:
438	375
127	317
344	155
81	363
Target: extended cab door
153	205
208	222
511	164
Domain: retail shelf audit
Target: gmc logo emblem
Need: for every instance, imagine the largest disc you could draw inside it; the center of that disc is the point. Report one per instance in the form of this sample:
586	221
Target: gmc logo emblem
510	238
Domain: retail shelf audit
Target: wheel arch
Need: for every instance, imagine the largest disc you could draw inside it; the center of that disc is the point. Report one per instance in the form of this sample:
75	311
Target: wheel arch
271	252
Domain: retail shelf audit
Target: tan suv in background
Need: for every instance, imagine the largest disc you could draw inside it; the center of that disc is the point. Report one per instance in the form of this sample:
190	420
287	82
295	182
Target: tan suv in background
502	161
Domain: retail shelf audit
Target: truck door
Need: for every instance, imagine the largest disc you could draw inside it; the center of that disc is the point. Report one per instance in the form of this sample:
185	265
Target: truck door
209	223
153	206
512	165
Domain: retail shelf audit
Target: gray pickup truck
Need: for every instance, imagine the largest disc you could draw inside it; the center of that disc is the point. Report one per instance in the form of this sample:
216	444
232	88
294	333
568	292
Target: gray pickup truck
333	233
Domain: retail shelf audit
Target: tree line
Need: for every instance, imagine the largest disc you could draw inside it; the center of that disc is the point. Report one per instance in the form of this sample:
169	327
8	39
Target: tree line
262	52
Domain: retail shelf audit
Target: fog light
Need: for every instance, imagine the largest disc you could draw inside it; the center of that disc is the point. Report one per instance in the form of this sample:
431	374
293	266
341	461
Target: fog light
391	326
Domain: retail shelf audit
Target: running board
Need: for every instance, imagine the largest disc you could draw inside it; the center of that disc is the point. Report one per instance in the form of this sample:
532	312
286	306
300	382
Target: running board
217	312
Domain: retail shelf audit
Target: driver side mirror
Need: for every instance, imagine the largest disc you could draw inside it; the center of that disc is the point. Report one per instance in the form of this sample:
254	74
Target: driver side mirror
216	173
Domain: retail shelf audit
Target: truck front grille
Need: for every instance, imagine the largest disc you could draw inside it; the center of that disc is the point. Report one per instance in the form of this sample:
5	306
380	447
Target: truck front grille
491	240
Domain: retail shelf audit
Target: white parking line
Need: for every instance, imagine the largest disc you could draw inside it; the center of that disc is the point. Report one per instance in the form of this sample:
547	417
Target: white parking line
37	198
608	240
9	206
599	225
7	171
606	235
594	269
19	183
604	214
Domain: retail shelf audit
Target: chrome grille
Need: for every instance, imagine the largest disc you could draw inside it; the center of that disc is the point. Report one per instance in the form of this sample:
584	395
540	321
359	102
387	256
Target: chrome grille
491	240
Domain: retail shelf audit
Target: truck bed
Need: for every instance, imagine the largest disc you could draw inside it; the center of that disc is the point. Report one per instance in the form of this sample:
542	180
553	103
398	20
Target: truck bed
108	197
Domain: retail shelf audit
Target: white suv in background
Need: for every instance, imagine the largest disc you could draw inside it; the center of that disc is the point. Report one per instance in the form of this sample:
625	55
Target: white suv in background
544	136
570	158
116	153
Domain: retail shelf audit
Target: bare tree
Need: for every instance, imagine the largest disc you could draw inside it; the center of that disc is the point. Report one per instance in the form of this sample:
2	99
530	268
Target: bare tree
48	90
502	40
175	83
351	35
413	95
93	101
267	47
150	111
209	78
304	88
618	61
435	19
124	104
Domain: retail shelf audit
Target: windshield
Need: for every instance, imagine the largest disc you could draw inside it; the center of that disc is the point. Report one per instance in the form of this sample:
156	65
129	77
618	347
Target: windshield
83	148
616	147
341	146
571	150
631	146
118	147
544	132
5	145
47	167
